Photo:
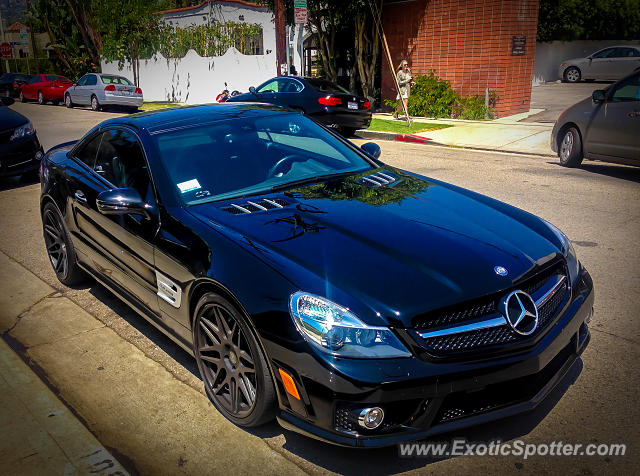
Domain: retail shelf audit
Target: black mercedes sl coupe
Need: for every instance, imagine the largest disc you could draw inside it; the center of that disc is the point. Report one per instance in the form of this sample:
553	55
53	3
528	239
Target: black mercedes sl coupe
357	303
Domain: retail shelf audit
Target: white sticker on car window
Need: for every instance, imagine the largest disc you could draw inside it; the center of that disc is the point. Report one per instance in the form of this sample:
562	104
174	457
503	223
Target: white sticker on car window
189	186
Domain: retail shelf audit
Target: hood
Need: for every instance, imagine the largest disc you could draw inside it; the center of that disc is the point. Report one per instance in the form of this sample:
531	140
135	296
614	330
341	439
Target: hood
391	251
10	119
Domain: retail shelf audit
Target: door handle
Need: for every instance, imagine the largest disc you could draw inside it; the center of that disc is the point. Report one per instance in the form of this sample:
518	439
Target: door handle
80	196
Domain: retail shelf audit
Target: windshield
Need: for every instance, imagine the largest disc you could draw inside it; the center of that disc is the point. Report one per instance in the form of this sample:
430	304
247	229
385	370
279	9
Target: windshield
56	78
107	79
325	86
246	156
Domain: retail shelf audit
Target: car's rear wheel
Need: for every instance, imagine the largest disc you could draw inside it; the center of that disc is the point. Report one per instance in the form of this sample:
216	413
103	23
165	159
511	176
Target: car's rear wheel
348	131
572	74
22	98
41	99
236	377
62	255
67	101
95	104
570	148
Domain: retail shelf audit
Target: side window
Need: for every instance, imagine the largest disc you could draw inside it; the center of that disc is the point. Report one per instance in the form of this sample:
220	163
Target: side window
121	162
87	152
91	80
82	81
270	87
35	79
627	52
606	53
627	90
289	85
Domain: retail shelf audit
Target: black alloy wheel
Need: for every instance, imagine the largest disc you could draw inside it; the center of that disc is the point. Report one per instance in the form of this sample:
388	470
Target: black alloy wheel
235	375
60	250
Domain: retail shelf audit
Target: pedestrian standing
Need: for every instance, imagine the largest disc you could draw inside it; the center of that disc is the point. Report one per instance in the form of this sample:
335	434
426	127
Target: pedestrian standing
405	81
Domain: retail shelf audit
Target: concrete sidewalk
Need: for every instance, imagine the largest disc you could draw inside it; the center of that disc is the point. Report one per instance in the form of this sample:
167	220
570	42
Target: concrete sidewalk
130	402
505	135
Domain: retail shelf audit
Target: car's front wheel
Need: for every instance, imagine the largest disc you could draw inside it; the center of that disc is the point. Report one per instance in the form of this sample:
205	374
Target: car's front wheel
62	255
570	148
67	101
22	98
236	377
572	74
348	131
41	99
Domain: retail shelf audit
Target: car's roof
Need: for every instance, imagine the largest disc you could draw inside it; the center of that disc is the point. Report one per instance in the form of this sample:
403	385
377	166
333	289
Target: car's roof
172	118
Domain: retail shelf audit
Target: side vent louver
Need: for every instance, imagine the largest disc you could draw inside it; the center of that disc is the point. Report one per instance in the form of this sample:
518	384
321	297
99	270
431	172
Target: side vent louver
251	206
378	179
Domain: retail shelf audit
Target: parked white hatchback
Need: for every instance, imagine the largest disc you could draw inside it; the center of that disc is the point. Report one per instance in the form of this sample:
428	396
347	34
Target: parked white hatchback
98	90
611	64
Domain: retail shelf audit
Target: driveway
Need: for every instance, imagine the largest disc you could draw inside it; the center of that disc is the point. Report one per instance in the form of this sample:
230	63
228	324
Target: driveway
556	97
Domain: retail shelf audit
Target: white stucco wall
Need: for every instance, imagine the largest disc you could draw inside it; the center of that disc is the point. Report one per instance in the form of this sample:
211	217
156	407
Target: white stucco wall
196	80
549	55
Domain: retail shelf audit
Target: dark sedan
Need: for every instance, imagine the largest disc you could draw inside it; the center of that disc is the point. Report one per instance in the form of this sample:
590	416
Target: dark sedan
603	127
20	150
356	302
10	83
324	101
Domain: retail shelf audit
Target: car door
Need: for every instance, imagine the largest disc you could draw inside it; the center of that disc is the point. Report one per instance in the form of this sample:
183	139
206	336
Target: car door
613	131
120	246
290	93
30	90
625	61
77	89
266	92
89	88
599	65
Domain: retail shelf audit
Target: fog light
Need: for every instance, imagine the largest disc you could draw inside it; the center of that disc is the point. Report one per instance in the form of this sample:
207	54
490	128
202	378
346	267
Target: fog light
371	418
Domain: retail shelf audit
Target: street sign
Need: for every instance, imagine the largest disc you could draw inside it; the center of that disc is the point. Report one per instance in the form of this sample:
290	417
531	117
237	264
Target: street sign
300	11
5	49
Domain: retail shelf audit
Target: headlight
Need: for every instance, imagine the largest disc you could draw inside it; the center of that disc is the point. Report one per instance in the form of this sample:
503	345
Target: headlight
22	131
568	251
336	330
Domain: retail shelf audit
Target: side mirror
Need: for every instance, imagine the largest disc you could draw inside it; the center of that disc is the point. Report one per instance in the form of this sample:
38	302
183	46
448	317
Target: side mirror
598	96
7	101
252	90
371	148
122	201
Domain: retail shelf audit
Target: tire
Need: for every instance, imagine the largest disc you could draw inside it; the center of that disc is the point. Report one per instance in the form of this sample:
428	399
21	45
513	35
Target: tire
95	104
348	131
132	109
41	99
55	102
570	148
60	250
227	352
67	101
22	98
572	74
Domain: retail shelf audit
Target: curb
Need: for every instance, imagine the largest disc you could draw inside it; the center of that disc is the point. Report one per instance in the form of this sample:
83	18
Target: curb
410	138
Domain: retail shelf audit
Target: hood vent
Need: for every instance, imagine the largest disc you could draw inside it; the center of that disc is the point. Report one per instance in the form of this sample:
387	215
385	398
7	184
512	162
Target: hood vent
378	179
252	206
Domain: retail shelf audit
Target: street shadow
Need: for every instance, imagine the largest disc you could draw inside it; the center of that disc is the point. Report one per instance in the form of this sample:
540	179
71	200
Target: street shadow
622	172
19	181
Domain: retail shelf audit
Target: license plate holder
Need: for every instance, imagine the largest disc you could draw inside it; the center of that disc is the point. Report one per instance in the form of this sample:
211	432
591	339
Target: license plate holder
352	105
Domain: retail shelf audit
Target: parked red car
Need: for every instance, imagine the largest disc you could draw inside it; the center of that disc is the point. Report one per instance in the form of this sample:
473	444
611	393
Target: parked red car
45	87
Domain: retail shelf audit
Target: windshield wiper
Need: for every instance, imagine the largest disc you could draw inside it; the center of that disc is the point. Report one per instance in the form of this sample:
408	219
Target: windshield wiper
304	181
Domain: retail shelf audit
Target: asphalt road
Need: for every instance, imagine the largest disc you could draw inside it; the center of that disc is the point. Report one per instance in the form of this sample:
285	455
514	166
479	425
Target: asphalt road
596	206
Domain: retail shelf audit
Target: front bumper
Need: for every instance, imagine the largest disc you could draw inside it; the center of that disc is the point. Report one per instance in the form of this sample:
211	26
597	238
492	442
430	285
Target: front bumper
20	156
422	399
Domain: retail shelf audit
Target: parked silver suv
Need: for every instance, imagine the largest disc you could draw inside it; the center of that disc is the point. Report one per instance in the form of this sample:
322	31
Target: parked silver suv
611	63
99	90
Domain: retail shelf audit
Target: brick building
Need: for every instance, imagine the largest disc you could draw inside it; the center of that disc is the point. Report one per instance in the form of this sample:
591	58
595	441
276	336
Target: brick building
475	44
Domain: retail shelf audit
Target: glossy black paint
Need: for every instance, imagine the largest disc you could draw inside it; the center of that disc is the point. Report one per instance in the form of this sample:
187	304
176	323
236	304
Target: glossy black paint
388	253
339	117
7	82
17	156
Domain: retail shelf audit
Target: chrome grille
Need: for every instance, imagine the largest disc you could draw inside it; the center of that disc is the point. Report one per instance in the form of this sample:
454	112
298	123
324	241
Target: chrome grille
480	326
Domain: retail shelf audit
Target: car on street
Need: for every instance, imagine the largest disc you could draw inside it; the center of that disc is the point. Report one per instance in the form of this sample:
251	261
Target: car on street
43	88
356	302
602	127
20	149
324	101
99	90
610	63
10	83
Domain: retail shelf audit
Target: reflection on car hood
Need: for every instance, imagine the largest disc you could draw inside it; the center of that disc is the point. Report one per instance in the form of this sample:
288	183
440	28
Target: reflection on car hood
10	119
399	250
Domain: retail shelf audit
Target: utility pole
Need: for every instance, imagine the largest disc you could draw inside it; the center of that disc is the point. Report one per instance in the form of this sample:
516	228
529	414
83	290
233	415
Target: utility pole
33	38
6	61
280	20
